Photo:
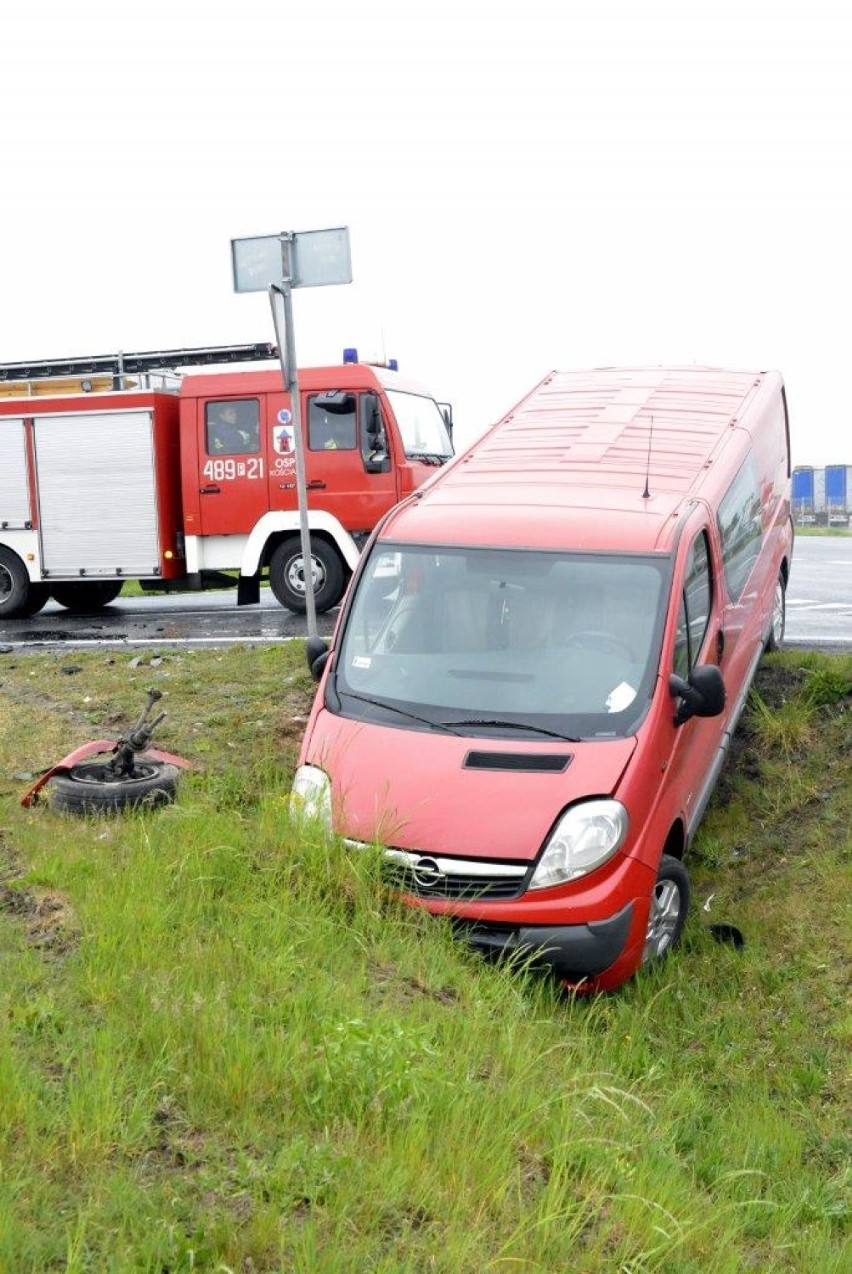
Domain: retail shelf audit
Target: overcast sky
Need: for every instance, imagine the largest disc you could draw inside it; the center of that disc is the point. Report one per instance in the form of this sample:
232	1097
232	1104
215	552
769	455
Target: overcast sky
528	186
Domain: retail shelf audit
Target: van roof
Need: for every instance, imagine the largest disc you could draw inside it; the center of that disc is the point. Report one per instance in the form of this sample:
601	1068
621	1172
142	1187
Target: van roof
568	464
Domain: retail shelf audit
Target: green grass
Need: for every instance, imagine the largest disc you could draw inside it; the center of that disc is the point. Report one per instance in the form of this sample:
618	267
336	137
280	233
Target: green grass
223	1046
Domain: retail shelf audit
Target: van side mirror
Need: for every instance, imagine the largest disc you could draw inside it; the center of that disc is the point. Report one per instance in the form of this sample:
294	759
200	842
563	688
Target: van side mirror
701	695
316	653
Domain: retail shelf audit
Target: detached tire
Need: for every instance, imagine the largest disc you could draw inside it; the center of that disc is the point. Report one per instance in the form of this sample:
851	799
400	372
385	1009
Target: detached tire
87	595
287	575
669	908
92	788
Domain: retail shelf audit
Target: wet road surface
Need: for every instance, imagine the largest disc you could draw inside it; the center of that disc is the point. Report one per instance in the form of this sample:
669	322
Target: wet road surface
184	619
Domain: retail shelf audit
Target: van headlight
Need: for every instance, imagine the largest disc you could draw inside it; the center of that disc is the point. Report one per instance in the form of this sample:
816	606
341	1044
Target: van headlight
310	796
585	836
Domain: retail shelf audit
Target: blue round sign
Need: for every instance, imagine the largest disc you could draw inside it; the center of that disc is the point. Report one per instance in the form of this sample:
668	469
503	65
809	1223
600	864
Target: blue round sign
284	416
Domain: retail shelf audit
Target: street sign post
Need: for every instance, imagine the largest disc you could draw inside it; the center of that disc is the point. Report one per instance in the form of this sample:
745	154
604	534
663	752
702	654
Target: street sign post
276	264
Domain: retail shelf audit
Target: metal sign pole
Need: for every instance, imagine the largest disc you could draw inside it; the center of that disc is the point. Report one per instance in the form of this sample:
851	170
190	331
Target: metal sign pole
277	263
280	296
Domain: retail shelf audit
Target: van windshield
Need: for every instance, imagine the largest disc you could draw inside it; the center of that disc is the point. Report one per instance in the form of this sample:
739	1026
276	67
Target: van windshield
424	433
502	642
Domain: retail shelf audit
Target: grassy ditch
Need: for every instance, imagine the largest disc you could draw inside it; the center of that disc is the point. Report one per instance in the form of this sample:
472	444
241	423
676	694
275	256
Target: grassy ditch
224	1047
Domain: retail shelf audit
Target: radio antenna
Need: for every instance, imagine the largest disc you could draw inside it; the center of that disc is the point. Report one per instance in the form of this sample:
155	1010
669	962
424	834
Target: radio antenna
646	494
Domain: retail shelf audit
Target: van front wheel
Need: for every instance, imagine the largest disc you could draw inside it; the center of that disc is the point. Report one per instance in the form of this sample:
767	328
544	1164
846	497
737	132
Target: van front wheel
669	907
287	575
779	616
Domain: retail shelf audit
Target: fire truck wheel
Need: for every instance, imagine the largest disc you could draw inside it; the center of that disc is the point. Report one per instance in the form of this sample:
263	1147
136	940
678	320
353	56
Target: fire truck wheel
87	595
287	575
93	788
37	599
18	596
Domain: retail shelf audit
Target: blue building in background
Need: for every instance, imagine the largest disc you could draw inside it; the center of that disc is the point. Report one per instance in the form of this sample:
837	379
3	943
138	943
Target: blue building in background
822	497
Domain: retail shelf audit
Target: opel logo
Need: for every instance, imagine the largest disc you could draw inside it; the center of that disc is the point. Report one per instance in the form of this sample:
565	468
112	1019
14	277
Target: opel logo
427	873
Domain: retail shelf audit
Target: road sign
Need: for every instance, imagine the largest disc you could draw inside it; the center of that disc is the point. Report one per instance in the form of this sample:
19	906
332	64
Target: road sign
318	258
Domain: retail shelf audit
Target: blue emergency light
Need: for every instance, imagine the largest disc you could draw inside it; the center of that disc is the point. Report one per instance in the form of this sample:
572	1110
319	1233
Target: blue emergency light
351	356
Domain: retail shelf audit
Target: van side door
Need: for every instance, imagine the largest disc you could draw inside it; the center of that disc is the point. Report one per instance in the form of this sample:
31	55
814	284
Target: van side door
749	574
697	641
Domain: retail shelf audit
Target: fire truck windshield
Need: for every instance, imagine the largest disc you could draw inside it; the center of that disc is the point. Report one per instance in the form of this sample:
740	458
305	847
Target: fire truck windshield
424	434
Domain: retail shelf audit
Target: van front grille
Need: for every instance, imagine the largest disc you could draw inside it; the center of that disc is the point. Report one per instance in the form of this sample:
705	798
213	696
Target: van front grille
426	877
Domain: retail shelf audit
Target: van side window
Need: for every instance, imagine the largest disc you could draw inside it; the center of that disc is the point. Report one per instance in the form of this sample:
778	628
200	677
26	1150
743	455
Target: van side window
232	427
332	422
695	605
739	527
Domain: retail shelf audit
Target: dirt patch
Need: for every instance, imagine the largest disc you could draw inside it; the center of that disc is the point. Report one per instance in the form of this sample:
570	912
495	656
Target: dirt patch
46	914
290	729
777	684
389	983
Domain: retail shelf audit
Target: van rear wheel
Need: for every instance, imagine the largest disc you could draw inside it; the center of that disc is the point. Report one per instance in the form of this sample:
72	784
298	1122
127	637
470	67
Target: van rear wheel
779	616
669	907
287	575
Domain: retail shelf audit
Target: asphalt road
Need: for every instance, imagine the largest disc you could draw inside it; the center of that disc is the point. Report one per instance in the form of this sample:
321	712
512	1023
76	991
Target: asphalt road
819	613
819	597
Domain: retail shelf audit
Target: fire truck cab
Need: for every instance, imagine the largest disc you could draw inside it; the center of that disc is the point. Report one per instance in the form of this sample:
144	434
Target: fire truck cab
370	438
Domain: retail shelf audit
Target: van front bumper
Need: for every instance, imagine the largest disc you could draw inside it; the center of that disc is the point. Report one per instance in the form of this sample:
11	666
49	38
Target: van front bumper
569	951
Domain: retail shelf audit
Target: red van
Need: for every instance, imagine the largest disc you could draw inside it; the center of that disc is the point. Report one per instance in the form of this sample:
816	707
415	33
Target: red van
543	656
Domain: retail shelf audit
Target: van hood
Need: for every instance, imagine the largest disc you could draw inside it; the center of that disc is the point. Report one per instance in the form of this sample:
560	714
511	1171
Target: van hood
437	793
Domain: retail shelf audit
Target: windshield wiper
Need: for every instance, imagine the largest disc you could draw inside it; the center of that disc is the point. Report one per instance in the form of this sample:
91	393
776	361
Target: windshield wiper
431	457
379	703
510	725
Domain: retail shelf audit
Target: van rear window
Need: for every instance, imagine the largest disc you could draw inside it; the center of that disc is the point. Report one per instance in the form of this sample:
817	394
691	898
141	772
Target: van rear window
740	529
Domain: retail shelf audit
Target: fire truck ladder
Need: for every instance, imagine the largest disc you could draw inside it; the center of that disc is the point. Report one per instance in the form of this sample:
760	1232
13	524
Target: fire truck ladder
119	365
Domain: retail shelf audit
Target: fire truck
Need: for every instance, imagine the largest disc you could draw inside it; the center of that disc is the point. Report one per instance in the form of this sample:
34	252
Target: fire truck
128	466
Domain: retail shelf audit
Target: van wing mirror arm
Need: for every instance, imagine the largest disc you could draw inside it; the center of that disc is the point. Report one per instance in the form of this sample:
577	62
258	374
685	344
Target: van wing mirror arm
702	695
316	654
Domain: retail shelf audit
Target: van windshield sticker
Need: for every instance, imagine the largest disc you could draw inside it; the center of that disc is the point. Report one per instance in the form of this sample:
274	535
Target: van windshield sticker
620	698
361	661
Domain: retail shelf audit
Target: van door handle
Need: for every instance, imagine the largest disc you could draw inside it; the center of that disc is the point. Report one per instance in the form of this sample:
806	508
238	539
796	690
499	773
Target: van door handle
720	644
210	490
316	485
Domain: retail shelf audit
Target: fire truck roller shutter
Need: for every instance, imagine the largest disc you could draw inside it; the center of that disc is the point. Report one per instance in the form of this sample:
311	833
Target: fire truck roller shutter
98	499
14	491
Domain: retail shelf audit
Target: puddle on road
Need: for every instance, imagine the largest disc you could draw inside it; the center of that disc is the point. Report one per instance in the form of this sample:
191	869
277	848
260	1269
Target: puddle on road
54	635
